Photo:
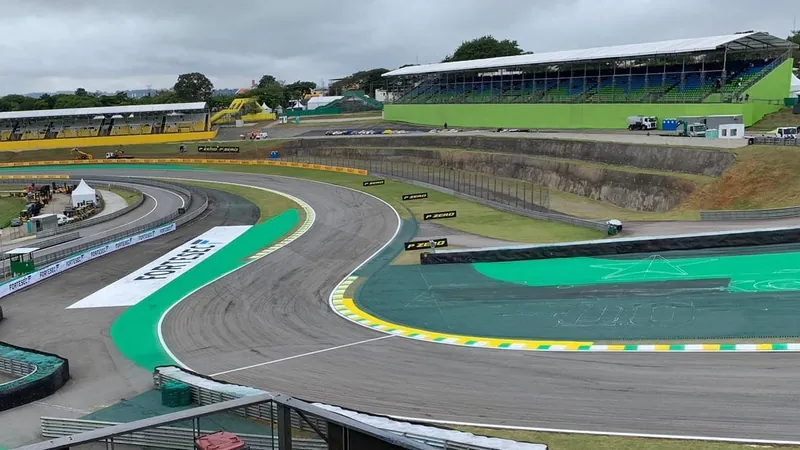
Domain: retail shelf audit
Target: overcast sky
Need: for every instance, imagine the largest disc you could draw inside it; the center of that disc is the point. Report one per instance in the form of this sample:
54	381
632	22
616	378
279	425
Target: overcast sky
113	45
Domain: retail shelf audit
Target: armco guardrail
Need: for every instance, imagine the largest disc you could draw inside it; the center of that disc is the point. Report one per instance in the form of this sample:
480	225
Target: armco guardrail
67	258
754	214
73	260
166	437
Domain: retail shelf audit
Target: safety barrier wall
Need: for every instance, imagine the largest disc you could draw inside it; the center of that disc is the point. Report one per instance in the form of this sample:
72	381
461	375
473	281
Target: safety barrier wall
37	383
753	214
653	244
166	437
67	258
245	162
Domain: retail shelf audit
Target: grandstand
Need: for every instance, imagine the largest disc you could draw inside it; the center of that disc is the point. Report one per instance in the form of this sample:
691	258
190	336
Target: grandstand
118	125
745	73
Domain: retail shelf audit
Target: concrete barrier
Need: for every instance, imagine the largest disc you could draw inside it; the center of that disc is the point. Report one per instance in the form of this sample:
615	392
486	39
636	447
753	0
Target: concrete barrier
652	244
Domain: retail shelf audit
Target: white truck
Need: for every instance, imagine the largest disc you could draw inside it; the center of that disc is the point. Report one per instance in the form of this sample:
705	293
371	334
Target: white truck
786	132
642	123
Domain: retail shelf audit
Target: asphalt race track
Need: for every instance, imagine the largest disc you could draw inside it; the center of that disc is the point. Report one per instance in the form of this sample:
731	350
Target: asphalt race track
101	375
274	313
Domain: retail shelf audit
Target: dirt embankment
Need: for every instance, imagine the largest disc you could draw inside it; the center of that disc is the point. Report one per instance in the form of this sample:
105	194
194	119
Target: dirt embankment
639	191
672	159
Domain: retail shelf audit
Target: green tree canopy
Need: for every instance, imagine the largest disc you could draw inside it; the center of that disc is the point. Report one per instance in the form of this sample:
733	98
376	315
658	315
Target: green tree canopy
364	80
193	87
795	37
485	47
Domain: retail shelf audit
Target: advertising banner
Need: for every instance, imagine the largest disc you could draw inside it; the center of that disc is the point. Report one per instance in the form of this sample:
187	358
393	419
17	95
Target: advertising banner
75	260
439	215
141	283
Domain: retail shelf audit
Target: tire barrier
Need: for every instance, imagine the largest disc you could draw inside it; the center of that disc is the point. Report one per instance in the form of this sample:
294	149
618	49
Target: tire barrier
652	244
36	375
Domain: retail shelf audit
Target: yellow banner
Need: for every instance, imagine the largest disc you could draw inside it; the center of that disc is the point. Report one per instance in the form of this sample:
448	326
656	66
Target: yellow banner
34	177
185	161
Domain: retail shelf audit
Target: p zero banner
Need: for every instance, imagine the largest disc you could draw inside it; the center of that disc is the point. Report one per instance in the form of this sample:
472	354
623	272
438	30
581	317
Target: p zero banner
217	149
374	182
420	245
416	196
140	284
75	260
439	215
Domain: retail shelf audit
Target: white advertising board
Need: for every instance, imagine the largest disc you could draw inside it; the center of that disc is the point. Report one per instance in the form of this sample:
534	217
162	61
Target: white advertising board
76	260
140	284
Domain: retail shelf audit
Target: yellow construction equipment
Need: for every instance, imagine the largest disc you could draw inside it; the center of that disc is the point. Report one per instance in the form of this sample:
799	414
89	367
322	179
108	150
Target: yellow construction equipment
80	155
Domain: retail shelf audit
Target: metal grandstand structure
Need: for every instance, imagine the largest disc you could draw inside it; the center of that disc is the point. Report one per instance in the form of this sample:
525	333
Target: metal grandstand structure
128	120
674	71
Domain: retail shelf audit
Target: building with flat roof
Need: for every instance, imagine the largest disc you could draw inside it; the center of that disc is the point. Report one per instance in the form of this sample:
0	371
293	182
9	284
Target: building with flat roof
745	73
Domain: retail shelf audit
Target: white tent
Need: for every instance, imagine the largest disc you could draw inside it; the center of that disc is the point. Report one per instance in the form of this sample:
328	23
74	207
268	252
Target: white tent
794	89
83	193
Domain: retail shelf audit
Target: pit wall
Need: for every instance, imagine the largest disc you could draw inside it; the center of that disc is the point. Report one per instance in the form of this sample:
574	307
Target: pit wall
767	97
43	144
639	191
670	159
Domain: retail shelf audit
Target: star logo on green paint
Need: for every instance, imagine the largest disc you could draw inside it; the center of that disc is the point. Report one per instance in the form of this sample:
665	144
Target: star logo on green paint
654	266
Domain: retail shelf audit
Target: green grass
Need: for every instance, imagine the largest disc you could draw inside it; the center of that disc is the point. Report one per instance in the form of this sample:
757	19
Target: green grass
472	217
269	204
559	441
9	209
129	196
782	118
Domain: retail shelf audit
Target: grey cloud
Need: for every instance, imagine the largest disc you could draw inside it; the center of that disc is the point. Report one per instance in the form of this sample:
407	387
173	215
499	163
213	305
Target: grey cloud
117	45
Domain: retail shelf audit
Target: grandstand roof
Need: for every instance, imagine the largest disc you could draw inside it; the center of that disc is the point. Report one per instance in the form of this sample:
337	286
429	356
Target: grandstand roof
741	41
130	109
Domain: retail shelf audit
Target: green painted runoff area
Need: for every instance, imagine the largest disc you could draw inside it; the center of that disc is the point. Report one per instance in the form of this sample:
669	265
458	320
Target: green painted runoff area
148	404
135	331
716	295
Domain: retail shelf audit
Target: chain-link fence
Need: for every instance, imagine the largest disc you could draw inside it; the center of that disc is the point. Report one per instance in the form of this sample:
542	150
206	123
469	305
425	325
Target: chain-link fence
773	140
513	193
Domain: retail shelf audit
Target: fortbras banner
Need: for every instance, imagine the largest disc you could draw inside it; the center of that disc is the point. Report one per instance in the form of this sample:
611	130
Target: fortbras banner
217	149
140	284
421	245
417	196
439	215
374	182
72	261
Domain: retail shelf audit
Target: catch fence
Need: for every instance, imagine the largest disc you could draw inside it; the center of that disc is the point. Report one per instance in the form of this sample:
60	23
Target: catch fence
509	192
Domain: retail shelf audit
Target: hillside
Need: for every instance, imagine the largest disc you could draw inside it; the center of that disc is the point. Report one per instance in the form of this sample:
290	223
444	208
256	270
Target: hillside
782	118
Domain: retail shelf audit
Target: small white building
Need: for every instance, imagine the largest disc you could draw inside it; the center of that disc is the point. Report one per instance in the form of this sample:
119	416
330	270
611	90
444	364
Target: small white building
83	193
731	131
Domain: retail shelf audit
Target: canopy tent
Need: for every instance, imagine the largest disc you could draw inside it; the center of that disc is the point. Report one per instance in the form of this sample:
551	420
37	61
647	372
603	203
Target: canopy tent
83	193
794	88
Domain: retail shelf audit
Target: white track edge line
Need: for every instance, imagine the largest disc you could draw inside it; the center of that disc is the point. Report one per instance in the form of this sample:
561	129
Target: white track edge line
596	433
311	218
